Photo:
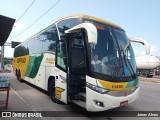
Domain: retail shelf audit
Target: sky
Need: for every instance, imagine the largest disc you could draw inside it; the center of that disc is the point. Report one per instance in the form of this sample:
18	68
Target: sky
139	18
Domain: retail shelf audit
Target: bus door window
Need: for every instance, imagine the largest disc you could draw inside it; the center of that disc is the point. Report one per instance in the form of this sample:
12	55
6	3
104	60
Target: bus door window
61	55
77	55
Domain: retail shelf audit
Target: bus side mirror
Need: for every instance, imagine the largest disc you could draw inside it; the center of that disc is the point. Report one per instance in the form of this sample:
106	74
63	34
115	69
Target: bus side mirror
143	42
90	28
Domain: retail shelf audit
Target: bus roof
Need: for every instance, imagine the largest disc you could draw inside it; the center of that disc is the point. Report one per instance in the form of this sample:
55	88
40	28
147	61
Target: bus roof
74	16
91	18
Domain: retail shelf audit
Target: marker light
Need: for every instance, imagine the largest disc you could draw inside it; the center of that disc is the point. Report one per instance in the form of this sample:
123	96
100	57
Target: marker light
99	27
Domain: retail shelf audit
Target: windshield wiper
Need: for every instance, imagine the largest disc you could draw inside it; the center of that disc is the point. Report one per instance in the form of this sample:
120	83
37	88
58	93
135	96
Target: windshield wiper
113	72
116	71
134	74
125	59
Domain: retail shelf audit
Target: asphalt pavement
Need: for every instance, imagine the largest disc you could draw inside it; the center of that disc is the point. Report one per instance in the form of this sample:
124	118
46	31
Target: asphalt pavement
26	97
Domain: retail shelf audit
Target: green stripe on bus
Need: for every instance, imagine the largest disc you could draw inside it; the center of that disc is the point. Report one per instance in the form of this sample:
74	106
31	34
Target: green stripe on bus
132	83
30	65
33	65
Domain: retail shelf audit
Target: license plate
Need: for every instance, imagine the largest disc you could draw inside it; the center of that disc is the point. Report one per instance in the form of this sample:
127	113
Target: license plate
124	103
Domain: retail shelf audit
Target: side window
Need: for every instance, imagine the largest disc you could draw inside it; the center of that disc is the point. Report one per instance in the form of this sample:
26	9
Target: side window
67	24
61	58
16	52
26	50
37	45
49	38
19	51
31	46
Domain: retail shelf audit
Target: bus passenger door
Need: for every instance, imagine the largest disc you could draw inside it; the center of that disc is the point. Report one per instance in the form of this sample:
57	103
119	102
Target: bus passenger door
61	72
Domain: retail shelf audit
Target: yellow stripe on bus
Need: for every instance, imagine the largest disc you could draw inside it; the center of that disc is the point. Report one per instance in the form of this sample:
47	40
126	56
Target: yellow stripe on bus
21	63
113	85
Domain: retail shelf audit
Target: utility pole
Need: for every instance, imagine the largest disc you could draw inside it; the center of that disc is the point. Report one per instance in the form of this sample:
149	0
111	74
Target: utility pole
2	57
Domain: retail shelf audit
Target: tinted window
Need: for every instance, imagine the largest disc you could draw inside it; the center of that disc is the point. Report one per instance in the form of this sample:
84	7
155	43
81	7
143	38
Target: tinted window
78	42
26	50
61	55
16	54
21	50
45	41
37	45
31	46
66	24
121	37
49	38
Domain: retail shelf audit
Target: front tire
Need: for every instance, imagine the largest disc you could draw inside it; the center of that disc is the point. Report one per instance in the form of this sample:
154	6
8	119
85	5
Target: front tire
52	92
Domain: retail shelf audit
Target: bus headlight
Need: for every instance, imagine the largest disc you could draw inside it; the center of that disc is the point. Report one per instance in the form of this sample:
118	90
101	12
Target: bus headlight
97	88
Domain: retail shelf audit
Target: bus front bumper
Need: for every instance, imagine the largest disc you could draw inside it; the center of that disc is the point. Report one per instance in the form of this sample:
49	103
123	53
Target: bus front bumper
101	102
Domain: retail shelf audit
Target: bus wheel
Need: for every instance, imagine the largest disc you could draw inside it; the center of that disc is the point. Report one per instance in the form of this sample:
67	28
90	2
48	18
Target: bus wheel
19	75
16	72
52	92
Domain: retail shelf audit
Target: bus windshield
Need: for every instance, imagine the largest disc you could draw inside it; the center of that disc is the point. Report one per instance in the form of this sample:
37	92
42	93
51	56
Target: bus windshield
113	54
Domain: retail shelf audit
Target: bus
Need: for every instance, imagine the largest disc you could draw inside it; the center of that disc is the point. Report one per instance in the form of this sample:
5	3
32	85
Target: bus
80	59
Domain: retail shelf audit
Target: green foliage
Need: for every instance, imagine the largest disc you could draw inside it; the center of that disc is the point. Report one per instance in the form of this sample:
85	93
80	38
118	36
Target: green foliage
7	62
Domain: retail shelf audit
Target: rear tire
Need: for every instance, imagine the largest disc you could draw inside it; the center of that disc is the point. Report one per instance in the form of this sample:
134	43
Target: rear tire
19	76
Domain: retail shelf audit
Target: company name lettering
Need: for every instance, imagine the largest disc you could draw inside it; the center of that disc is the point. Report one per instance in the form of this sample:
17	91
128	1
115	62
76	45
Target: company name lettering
50	59
21	60
117	86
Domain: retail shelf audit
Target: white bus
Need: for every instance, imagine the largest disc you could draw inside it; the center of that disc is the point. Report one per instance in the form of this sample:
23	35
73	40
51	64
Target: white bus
80	59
